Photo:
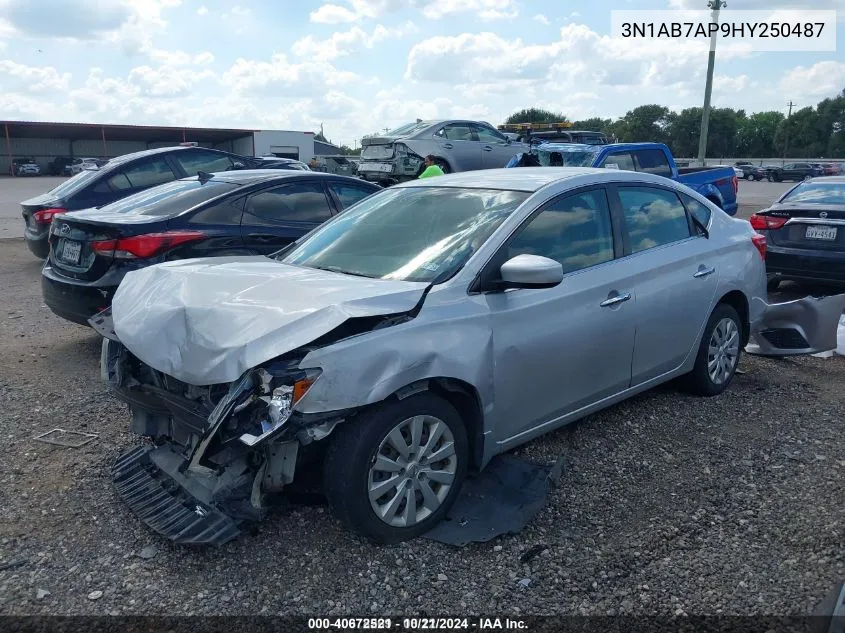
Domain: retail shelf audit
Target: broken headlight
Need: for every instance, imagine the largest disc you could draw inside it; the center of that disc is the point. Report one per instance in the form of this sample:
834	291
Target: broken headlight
281	394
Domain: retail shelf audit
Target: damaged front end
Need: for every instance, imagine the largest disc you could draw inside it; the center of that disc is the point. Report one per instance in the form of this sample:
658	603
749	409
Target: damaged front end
795	328
218	449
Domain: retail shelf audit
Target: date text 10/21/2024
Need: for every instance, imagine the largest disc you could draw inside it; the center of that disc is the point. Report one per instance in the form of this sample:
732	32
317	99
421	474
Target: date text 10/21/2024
417	624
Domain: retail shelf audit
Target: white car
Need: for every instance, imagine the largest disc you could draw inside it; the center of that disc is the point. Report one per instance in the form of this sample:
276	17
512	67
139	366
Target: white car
80	164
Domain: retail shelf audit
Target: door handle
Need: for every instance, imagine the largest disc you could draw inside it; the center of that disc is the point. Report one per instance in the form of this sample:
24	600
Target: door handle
704	272
487	148
612	301
447	146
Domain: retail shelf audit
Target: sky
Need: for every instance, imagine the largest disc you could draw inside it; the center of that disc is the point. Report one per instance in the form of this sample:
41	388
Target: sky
359	66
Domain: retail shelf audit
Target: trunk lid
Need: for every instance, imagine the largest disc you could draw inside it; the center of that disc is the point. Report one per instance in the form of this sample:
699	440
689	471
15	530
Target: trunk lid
72	235
808	225
206	321
378	147
38	203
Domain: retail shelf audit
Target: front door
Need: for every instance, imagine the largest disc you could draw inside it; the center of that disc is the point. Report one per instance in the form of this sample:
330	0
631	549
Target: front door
496	151
560	349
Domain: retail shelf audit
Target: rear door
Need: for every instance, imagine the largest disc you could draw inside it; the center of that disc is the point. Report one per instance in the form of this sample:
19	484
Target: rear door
496	151
459	145
618	160
652	161
276	217
673	274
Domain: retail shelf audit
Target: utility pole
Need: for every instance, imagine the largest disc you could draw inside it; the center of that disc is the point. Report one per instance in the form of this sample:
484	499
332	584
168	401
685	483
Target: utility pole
786	139
716	6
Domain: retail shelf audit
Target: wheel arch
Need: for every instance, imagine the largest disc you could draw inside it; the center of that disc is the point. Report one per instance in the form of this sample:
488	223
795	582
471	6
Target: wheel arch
739	302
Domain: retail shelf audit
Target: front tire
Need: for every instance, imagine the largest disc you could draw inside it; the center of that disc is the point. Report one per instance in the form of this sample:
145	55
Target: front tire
718	353
750	177
443	165
393	473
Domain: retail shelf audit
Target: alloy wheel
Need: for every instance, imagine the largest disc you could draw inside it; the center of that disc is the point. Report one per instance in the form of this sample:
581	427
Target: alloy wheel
723	351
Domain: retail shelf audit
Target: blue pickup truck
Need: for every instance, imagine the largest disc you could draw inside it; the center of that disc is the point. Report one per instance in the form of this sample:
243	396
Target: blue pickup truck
717	184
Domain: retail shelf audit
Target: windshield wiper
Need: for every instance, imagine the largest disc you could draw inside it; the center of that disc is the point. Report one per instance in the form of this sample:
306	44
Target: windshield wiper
335	269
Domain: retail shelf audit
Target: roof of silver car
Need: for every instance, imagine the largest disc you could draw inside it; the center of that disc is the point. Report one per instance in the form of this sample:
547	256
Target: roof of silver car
514	179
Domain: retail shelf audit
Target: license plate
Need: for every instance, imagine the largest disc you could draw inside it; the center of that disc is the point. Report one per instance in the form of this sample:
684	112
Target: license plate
821	233
70	251
379	167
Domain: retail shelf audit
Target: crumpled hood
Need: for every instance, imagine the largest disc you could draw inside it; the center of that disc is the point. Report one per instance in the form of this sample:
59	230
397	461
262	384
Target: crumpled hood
206	321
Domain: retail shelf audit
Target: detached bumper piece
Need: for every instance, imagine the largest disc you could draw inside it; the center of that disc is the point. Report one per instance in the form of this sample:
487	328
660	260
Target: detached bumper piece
165	506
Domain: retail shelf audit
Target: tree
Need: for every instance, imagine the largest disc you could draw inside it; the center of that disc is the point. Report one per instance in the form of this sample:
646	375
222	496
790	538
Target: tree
642	124
755	136
806	135
536	115
595	124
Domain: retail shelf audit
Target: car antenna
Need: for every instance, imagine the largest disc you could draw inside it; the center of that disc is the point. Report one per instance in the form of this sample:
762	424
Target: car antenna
204	177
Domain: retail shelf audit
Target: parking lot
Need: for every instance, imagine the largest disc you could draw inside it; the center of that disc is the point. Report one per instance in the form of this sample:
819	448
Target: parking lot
667	503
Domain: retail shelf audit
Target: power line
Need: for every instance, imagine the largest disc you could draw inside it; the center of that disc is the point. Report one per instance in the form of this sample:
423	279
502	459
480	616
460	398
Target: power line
786	138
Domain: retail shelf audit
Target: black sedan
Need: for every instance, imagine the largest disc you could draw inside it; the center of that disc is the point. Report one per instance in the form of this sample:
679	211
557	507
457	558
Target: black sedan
794	171
805	233
250	212
116	179
752	172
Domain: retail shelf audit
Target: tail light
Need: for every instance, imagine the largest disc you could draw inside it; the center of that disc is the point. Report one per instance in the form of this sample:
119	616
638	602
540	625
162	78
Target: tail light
45	216
142	246
759	242
766	222
735	184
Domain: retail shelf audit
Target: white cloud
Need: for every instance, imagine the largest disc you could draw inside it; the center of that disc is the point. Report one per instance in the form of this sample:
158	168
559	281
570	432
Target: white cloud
542	19
333	14
16	77
179	58
202	10
302	79
343	43
823	79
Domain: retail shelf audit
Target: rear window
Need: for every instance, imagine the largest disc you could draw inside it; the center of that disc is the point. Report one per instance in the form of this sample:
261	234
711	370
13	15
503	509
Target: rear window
75	183
817	192
170	198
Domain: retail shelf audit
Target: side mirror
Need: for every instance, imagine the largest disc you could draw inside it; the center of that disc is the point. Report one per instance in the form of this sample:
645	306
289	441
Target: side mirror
531	271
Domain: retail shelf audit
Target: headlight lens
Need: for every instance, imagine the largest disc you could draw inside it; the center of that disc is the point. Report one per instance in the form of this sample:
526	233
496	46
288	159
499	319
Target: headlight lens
281	402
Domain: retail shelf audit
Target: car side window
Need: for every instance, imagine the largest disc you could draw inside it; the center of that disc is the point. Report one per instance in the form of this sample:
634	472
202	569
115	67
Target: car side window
653	161
142	174
620	160
488	135
699	211
653	217
575	231
193	161
226	212
457	132
349	194
298	202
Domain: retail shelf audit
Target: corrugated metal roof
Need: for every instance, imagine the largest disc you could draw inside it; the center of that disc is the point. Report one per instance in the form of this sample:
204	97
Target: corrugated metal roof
119	132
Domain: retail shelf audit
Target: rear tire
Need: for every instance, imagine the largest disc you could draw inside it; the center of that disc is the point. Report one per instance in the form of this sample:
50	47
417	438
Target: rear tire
718	353
806	177
362	461
750	177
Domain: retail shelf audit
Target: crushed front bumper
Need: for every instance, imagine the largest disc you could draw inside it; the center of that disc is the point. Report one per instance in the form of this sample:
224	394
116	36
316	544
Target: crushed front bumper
795	328
201	480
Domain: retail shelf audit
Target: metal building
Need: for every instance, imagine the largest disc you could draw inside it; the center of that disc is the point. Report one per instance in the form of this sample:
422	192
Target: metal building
44	142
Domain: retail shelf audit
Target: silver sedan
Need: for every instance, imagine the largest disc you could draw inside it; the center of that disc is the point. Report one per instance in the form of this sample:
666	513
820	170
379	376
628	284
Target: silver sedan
428	328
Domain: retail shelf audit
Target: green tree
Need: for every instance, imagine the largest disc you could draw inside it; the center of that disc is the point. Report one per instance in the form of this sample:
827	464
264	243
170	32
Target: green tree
594	124
642	124
807	137
755	136
831	114
536	115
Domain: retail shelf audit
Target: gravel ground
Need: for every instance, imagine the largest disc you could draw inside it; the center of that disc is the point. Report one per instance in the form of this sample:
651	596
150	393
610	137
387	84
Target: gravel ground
667	504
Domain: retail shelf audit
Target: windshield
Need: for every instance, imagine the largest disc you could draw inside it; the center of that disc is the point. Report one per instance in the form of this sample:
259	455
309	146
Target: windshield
75	183
557	157
409	234
817	192
408	128
170	198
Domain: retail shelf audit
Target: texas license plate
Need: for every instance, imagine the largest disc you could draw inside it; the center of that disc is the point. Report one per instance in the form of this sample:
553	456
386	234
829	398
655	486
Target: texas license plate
70	251
821	233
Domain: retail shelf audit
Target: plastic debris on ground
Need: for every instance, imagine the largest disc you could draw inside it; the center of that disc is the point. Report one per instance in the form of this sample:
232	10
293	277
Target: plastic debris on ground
502	499
68	439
